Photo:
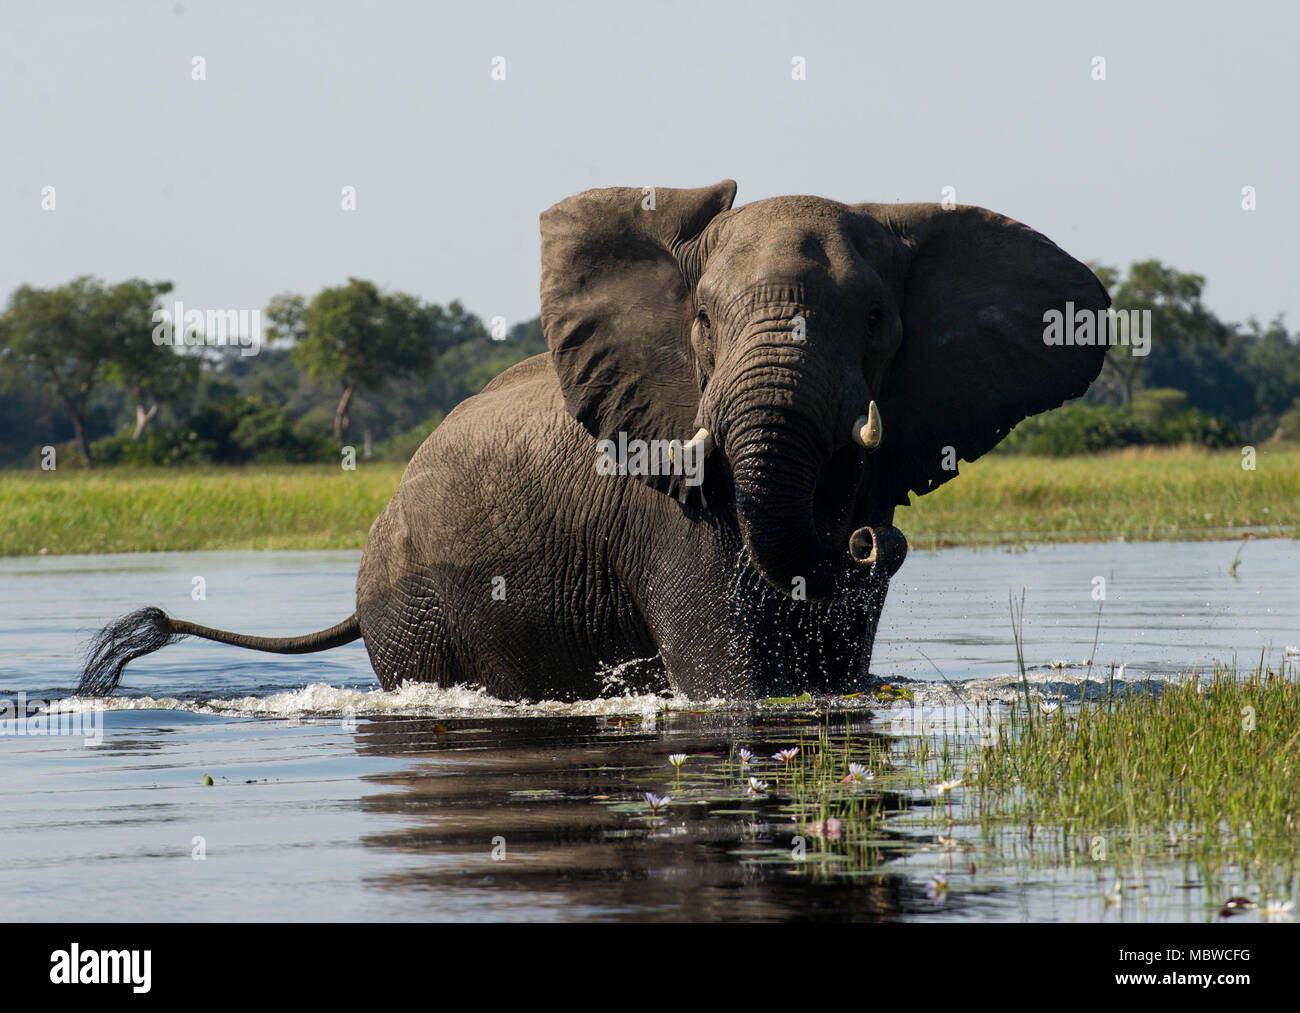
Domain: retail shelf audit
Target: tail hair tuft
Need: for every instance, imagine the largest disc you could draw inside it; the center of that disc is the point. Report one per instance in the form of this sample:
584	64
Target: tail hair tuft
134	635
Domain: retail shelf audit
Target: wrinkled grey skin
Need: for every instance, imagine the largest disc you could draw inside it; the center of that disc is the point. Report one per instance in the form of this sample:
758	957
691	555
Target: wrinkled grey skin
666	320
507	559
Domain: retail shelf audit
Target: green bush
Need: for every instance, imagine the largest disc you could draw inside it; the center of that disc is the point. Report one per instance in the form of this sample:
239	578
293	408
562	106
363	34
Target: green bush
1288	424
402	446
242	430
1155	419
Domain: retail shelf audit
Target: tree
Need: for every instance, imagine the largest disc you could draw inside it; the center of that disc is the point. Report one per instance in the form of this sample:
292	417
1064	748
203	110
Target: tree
356	337
1272	357
148	372
51	335
1178	318
67	338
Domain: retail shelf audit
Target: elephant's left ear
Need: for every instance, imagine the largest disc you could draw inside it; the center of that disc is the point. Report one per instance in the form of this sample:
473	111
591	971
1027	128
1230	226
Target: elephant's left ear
978	291
619	268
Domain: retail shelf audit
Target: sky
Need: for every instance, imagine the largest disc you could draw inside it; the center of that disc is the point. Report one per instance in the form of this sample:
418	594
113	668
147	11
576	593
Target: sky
231	186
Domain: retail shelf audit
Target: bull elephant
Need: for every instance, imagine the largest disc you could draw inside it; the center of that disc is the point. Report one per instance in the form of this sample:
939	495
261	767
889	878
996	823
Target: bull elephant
701	475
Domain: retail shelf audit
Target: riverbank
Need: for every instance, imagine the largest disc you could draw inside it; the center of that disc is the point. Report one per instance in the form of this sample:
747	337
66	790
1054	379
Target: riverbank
1138	494
1146	495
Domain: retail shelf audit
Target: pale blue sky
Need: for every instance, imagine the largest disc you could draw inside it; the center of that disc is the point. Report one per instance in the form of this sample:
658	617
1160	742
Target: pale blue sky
230	187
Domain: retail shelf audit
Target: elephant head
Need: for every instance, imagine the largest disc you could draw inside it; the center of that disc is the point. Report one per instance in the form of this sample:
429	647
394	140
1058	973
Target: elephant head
832	357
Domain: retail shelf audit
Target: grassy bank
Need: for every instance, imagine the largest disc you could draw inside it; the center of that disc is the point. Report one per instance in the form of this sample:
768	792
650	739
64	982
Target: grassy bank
119	510
1165	494
1147	494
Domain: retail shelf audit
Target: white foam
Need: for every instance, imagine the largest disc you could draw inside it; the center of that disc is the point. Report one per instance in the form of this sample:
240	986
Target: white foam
422	699
416	699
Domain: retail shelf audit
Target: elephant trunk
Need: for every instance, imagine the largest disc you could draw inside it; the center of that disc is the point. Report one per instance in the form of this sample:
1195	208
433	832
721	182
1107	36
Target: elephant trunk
883	548
777	464
789	511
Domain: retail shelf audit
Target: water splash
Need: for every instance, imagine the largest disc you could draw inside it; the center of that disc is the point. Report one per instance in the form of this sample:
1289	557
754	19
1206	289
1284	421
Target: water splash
412	699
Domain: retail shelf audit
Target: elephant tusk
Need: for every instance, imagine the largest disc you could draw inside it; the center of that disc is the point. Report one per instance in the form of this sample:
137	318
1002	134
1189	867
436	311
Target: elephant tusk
868	430
701	440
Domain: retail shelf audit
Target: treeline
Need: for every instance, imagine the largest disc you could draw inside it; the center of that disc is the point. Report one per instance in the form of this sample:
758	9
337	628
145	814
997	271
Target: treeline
351	366
87	368
1203	381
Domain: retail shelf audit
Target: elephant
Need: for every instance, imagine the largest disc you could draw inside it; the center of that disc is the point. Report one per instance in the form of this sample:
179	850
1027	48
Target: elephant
695	487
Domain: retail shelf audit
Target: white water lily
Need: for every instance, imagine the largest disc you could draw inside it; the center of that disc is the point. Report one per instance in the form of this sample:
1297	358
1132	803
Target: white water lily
756	787
745	756
677	759
655	802
786	755
1048	706
943	787
1276	909
858	773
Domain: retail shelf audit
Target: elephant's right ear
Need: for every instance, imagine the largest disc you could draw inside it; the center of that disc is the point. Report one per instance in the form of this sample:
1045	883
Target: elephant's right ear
619	268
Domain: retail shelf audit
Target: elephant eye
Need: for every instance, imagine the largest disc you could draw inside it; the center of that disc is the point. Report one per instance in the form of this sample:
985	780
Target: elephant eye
874	317
703	318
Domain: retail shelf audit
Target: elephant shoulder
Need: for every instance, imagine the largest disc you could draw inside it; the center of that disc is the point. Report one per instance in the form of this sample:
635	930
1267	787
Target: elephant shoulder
507	417
526	393
529	370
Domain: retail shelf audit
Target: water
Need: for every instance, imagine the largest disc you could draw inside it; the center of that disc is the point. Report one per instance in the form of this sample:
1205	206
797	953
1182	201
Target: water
334	800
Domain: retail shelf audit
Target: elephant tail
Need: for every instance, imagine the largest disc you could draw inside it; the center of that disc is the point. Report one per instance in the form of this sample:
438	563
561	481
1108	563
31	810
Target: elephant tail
145	630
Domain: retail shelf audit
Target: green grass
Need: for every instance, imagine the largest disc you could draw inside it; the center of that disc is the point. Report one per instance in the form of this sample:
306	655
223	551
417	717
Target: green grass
1139	495
1001	499
156	510
1188	785
1207	770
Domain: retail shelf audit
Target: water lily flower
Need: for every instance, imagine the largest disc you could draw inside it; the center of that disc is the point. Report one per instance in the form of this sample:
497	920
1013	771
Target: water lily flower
745	756
756	787
786	755
655	802
943	787
937	888
1048	707
832	829
677	759
858	774
1276	909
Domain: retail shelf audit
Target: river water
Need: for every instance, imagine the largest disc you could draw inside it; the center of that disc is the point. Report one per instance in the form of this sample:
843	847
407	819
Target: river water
333	800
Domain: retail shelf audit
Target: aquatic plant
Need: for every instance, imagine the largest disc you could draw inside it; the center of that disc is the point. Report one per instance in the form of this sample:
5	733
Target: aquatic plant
858	774
1208	768
655	802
